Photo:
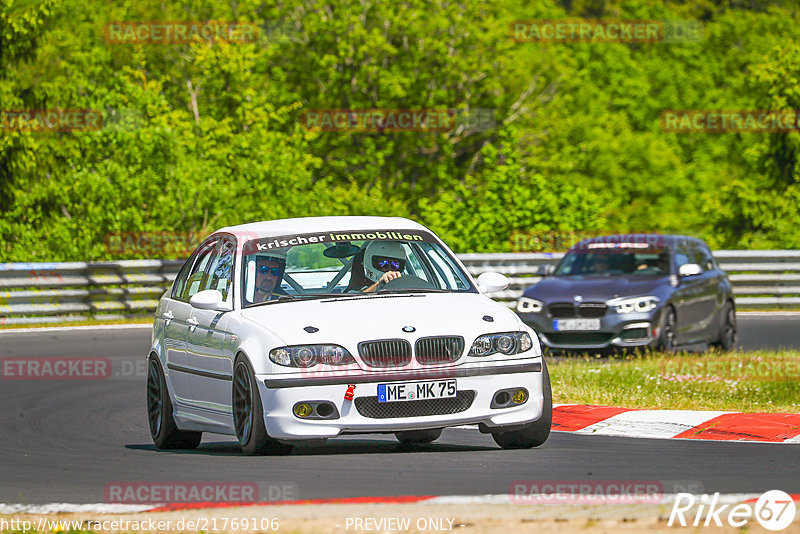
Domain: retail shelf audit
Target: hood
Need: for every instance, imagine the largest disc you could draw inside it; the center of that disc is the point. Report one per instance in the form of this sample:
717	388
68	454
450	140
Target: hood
348	320
594	288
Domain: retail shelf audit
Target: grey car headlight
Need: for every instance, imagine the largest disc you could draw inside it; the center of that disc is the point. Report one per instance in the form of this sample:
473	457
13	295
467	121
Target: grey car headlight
507	343
311	355
526	305
634	305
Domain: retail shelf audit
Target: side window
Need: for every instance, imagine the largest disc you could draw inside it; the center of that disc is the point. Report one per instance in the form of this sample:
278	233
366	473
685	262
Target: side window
180	280
222	270
704	257
683	255
196	274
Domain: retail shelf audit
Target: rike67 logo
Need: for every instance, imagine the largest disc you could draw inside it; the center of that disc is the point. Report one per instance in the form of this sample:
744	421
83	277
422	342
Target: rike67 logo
774	510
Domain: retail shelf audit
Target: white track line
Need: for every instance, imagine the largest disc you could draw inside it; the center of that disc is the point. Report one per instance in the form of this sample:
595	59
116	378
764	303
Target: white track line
502	499
58	508
650	423
47	329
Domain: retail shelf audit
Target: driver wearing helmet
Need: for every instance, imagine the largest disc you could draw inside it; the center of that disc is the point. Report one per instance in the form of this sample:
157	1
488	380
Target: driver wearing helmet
383	262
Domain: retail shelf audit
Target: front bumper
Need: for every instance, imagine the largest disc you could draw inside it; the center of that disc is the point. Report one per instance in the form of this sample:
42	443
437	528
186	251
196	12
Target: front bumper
279	395
628	330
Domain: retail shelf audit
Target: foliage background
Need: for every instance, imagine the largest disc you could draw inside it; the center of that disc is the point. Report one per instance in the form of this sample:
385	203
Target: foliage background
576	143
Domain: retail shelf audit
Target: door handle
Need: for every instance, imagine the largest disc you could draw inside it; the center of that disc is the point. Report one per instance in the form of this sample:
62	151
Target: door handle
192	322
168	317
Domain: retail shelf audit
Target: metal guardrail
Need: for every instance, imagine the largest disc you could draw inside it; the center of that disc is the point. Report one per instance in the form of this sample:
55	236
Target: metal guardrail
56	292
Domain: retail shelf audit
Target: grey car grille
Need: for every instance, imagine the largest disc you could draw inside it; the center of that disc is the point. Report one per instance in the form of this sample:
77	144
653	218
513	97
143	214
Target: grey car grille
579	338
567	310
385	352
371	408
442	349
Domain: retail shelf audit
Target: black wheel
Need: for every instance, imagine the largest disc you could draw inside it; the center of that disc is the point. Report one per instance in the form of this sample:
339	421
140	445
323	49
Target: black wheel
248	414
727	333
535	433
418	436
666	341
163	429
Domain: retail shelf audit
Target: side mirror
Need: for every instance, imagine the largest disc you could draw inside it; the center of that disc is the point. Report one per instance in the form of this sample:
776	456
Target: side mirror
491	282
210	299
545	269
690	269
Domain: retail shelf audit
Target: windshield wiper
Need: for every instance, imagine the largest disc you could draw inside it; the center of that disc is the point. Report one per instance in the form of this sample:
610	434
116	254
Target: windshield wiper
384	291
290	298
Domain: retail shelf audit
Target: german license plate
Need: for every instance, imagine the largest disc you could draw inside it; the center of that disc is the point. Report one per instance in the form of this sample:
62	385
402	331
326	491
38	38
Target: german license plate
411	391
560	325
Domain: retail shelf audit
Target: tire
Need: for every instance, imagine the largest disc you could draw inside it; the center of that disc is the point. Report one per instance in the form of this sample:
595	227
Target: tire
533	434
248	414
728	332
164	431
415	437
666	340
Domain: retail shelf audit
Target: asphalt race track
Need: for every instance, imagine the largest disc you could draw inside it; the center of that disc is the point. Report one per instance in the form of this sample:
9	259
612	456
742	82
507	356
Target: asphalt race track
64	441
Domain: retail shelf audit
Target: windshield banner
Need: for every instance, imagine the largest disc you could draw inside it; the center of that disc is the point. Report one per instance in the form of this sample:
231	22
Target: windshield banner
291	240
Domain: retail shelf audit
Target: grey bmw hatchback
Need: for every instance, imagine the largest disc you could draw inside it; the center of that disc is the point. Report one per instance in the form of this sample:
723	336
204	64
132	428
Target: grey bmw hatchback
636	290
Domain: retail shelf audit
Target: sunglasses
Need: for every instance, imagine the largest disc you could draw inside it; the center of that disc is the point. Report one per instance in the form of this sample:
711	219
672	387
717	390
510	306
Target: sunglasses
264	269
388	264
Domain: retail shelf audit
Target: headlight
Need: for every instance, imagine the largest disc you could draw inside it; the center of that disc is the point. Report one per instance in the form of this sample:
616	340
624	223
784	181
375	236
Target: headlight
526	305
311	355
634	305
507	343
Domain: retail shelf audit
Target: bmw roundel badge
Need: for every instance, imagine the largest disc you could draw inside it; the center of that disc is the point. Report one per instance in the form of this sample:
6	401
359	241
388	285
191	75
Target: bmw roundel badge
409	329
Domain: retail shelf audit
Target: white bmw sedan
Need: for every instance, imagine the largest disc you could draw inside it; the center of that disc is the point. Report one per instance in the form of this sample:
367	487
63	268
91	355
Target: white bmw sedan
296	330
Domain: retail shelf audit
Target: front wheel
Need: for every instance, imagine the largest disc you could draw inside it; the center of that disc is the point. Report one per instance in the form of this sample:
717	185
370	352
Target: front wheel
666	341
532	434
248	414
415	437
164	431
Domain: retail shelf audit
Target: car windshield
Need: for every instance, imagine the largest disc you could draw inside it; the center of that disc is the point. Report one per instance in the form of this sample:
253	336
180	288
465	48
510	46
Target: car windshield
308	266
615	262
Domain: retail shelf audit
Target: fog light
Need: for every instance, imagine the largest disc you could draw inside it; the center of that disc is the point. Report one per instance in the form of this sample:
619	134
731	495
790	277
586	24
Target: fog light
519	396
501	398
325	409
302	409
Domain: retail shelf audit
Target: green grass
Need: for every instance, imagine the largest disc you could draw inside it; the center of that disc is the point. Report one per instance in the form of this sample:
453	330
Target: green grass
759	381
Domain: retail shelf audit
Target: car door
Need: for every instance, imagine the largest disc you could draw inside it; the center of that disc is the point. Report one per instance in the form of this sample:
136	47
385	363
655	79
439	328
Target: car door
687	297
206	348
709	303
174	339
180	369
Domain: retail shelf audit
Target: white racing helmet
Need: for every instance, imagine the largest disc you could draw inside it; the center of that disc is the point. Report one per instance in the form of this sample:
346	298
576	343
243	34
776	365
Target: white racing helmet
391	253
